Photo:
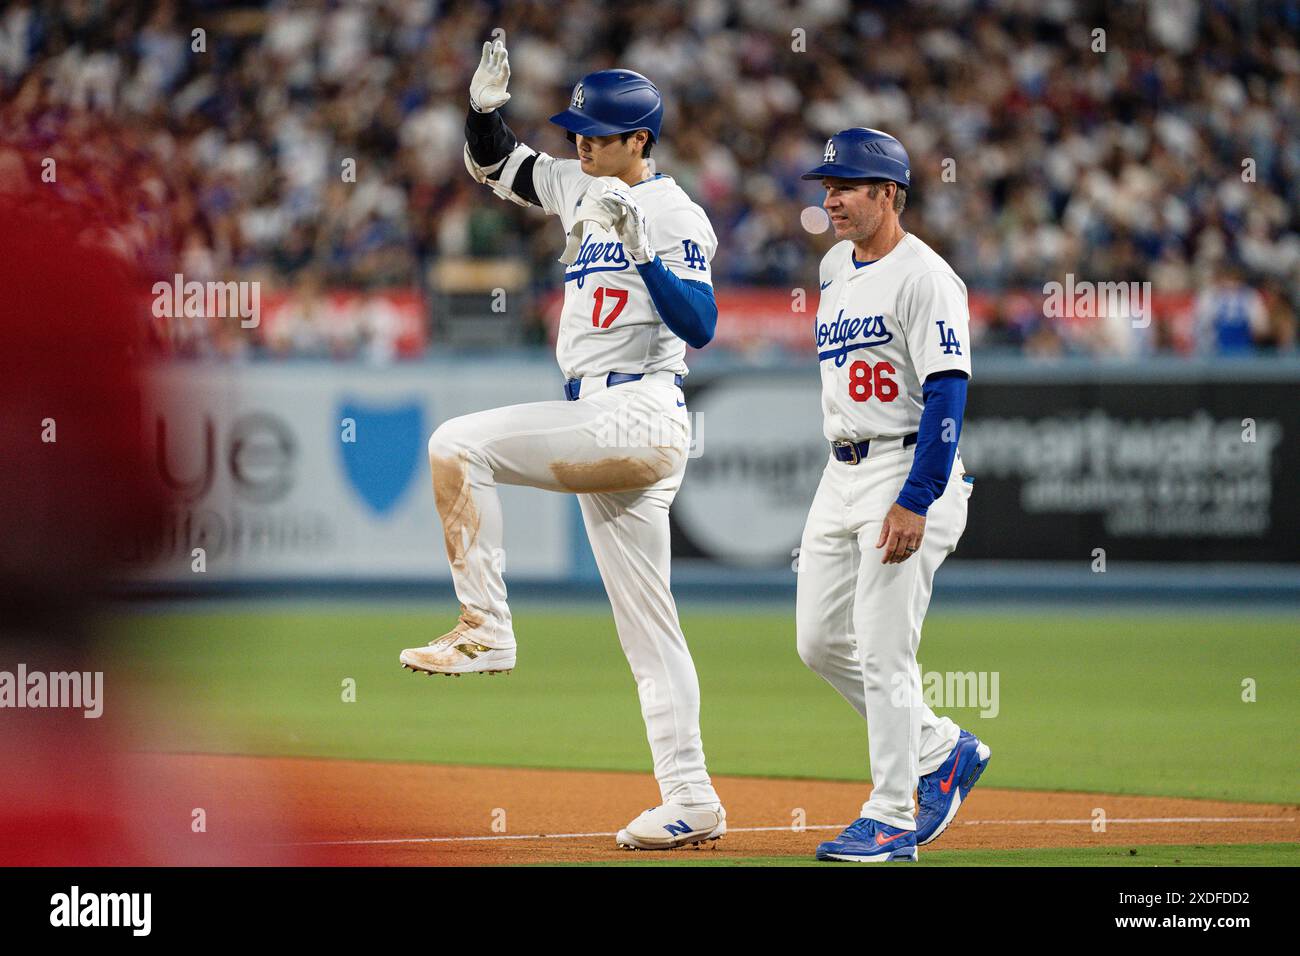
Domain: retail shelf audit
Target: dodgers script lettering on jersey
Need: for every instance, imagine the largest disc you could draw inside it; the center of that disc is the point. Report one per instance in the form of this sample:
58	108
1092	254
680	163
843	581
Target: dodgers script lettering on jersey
609	322
881	328
596	256
846	335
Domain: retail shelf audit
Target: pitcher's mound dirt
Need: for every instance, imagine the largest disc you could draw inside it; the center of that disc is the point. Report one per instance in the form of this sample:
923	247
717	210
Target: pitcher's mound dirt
298	810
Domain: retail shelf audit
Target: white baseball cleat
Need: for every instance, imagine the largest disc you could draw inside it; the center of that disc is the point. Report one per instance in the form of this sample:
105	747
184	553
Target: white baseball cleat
672	825
461	651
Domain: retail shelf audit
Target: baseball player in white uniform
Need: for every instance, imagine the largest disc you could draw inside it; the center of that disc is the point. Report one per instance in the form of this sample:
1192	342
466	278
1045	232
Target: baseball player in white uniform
637	290
892	343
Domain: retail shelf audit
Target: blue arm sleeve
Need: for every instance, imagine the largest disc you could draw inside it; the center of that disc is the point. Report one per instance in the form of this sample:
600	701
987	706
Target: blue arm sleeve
687	307
945	400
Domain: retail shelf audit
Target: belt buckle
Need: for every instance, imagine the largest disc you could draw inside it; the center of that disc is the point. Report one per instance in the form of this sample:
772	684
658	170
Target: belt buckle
853	449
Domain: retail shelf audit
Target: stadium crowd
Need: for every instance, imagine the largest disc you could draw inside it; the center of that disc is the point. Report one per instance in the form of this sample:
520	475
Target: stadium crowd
1118	142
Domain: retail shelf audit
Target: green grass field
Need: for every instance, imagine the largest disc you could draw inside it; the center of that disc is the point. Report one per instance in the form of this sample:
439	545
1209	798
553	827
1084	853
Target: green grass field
1115	702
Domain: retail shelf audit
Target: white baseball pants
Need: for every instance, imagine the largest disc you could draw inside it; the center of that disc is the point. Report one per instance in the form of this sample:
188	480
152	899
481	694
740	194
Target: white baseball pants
622	450
858	622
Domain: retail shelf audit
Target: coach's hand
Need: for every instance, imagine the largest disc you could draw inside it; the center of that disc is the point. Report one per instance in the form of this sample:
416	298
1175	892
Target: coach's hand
900	534
487	90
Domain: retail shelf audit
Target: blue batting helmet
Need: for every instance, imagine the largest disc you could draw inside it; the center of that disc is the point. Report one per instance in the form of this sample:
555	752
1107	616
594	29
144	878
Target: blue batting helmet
613	101
861	153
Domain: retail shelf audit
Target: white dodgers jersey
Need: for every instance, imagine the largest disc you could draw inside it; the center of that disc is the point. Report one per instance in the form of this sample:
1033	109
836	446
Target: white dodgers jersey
609	323
881	328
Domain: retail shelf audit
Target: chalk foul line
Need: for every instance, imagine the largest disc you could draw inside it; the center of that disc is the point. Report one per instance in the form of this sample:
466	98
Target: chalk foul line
501	837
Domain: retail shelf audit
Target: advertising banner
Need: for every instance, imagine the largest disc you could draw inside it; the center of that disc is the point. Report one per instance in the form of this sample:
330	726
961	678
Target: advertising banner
319	471
1165	471
1180	469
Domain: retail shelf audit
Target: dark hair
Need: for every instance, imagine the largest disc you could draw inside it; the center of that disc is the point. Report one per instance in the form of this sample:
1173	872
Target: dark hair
649	142
645	150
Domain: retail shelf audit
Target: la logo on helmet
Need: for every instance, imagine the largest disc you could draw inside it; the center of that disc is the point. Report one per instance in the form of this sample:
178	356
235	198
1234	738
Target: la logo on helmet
578	96
829	155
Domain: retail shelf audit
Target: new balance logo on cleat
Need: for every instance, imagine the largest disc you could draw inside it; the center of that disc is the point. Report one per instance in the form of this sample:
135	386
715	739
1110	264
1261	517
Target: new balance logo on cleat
671	825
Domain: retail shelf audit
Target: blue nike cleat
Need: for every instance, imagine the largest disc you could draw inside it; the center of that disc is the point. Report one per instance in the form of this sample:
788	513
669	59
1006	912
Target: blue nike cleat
939	794
870	841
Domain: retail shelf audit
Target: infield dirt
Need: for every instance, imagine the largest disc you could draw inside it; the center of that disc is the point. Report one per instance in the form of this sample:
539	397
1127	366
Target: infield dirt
343	812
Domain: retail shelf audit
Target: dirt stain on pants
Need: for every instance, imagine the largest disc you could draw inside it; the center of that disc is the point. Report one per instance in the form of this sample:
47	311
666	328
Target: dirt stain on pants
451	494
614	474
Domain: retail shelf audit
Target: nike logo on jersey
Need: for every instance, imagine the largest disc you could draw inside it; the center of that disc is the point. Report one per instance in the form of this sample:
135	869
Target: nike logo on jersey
596	257
826	284
842	333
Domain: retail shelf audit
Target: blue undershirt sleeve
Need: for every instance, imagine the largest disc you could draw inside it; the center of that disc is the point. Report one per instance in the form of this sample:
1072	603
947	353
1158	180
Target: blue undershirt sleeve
687	307
944	394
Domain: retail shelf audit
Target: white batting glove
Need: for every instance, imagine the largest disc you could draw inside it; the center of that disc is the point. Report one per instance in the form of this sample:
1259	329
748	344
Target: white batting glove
591	209
487	90
630	224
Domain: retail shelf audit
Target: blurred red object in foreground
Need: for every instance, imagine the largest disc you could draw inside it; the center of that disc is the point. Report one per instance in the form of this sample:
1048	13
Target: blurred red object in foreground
77	493
72	354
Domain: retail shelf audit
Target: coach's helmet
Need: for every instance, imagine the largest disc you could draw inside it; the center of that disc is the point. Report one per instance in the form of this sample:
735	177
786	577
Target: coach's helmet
861	153
613	101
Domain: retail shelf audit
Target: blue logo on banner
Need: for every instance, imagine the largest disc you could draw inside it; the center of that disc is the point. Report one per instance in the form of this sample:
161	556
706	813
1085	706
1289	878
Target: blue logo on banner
386	454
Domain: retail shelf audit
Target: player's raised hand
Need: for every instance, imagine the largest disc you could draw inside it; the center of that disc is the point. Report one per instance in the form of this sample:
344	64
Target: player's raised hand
487	90
900	534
